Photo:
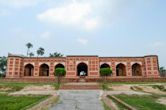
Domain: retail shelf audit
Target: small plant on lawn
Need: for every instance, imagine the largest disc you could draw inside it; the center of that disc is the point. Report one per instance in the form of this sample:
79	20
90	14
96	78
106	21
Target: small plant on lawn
160	87
104	72
60	72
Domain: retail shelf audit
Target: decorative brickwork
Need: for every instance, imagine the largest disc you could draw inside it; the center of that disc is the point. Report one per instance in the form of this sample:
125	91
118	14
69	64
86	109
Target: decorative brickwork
124	67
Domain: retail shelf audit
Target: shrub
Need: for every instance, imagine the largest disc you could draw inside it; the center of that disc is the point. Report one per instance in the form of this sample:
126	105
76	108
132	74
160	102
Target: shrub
105	71
59	72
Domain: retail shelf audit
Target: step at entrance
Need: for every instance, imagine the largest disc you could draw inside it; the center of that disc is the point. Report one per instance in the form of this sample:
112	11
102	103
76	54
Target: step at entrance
80	86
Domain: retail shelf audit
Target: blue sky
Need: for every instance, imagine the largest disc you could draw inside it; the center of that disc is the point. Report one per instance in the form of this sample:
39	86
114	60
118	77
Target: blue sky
85	27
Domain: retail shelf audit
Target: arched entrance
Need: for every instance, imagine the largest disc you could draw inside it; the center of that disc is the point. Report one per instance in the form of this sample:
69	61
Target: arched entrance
44	70
59	66
28	70
82	68
105	65
120	70
136	70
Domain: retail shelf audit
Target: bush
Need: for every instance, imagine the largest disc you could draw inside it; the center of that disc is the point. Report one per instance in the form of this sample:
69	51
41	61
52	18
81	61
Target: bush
105	71
59	72
160	87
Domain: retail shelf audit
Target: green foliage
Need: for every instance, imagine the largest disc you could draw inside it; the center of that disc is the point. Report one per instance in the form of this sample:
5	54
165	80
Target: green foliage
31	54
146	102
60	72
105	71
18	102
105	86
28	45
57	86
56	54
105	106
160	87
3	65
40	51
162	72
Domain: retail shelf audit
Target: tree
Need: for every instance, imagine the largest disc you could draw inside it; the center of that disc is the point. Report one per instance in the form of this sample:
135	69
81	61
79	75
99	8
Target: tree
162	72
40	51
3	65
104	72
31	54
28	45
56	54
60	72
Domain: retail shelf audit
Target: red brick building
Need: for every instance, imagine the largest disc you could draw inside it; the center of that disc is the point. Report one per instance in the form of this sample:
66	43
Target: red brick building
125	67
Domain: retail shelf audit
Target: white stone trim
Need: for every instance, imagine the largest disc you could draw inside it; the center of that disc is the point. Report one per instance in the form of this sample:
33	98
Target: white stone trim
32	63
132	63
40	63
78	62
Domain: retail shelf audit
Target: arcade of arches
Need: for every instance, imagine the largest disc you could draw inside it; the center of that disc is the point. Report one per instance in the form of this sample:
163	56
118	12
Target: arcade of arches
88	66
82	67
120	69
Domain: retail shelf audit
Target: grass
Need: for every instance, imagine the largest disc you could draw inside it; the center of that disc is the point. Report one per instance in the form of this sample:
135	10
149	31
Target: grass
18	102
105	86
160	87
120	106
105	106
119	83
57	86
146	102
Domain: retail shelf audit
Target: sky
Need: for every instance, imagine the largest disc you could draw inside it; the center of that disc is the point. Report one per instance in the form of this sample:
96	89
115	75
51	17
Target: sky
84	27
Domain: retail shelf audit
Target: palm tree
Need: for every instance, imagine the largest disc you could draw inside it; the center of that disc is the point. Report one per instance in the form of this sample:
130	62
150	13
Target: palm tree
31	54
40	51
56	54
28	45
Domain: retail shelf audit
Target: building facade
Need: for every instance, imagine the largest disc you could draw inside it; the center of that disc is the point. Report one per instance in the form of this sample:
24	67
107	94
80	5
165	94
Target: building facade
125	67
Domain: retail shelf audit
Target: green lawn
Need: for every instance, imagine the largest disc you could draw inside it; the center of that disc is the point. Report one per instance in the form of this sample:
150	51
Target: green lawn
105	106
18	102
143	102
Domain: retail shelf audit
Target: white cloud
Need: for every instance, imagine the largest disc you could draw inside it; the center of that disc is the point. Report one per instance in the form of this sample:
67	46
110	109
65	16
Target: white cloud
82	41
77	14
20	3
46	35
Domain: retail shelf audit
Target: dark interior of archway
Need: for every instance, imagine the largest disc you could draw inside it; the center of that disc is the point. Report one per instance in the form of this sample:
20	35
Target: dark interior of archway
120	70
136	70
28	71
59	66
44	70
104	66
82	67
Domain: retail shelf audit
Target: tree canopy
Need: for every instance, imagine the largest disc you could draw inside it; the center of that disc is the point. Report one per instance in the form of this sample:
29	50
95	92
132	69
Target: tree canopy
3	65
56	54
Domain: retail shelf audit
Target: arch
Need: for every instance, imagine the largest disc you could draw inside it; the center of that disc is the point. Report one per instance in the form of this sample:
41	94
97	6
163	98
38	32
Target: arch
120	70
136	70
59	66
82	67
44	70
105	65
28	70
